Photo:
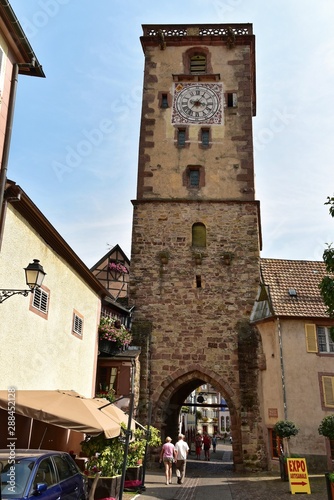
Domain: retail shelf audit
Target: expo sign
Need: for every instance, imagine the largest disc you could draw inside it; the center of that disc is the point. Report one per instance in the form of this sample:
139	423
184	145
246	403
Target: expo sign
298	476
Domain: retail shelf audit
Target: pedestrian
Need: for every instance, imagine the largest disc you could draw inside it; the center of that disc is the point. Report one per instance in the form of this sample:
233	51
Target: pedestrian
167	457
181	451
207	446
198	445
214	443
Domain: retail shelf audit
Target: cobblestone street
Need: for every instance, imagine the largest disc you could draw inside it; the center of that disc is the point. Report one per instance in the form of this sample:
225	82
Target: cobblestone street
215	480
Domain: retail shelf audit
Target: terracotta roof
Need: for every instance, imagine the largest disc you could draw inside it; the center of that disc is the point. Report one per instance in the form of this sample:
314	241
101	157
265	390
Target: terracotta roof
286	277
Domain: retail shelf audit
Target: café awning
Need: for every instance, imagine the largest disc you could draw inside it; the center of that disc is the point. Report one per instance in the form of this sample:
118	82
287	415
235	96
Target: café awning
66	409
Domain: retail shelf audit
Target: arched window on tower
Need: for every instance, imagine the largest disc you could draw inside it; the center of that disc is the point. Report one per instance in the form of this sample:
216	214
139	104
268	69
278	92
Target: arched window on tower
198	235
198	64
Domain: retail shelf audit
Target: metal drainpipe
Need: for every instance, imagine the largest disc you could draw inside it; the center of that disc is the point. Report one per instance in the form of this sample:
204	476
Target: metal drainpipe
6	146
282	369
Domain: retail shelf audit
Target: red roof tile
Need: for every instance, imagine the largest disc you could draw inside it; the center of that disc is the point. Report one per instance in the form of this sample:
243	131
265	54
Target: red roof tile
303	277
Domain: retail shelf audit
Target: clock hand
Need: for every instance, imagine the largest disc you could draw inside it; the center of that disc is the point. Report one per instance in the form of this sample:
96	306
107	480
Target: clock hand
197	102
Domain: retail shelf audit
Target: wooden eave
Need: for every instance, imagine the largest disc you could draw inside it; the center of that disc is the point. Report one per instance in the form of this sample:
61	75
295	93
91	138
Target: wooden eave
319	320
29	211
18	42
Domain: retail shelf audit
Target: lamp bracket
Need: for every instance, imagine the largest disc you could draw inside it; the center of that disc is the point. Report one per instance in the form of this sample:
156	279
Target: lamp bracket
6	294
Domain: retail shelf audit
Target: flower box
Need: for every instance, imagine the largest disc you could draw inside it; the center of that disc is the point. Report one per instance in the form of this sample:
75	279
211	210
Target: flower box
134	473
113	335
108	347
107	487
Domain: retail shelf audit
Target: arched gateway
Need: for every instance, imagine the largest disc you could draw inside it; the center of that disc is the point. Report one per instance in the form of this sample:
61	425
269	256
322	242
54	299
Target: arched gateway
171	395
196	230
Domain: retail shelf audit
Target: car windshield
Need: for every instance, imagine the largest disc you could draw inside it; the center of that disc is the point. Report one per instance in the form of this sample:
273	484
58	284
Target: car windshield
14	476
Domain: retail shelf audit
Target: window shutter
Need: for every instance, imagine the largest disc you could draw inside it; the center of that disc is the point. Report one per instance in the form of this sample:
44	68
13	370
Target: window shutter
198	64
328	388
311	338
77	324
40	300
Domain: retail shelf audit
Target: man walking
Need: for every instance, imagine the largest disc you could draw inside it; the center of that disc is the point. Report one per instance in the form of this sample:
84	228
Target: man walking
181	451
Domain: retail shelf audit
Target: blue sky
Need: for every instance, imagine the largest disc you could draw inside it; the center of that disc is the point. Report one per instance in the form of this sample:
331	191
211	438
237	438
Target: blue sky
75	137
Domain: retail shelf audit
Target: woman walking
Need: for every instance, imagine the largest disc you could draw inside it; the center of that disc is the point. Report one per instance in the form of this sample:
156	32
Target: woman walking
198	445
167	457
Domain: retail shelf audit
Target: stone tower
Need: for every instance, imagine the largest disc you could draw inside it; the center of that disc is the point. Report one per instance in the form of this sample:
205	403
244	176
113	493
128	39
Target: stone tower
196	227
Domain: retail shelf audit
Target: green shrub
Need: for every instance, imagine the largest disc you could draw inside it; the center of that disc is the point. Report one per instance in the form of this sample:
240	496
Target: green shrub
285	429
107	455
326	427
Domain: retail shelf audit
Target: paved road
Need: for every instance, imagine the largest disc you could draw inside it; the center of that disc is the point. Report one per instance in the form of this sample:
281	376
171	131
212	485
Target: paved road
215	480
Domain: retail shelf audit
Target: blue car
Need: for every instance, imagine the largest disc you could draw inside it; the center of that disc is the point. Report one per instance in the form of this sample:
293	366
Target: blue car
48	475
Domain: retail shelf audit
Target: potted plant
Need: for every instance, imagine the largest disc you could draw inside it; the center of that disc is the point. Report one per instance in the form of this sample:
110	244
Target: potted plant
285	429
326	429
137	448
113	336
330	485
106	458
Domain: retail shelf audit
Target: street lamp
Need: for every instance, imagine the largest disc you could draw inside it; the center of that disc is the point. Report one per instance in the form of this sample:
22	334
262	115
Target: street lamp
34	278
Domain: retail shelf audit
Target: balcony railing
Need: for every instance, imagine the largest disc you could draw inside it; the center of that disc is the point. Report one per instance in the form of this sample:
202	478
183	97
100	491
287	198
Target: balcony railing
197	30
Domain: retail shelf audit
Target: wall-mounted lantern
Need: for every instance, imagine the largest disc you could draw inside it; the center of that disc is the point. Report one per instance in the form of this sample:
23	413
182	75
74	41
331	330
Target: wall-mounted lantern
34	273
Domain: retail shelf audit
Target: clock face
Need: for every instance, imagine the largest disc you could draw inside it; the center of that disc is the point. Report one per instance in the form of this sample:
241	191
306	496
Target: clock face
199	103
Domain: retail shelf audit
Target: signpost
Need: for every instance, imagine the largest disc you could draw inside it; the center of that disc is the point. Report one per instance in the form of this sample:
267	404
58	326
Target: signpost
298	476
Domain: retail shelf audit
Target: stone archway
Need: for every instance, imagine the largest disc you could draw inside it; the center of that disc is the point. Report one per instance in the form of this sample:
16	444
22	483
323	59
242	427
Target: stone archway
168	398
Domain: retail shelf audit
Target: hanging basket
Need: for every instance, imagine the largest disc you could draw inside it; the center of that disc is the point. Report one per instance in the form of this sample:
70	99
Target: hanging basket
108	347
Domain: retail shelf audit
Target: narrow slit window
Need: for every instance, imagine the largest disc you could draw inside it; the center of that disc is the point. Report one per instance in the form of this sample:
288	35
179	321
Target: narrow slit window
198	281
164	101
205	137
181	137
232	100
194	178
